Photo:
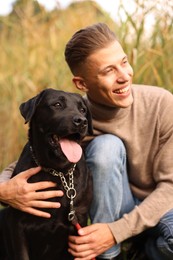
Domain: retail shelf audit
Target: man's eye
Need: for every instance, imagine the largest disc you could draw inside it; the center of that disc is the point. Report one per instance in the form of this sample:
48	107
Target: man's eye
108	70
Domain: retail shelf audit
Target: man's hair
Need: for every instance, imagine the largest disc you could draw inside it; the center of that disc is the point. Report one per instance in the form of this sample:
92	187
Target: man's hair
85	42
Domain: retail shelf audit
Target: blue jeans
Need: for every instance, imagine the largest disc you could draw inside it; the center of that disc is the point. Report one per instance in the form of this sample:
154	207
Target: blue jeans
106	158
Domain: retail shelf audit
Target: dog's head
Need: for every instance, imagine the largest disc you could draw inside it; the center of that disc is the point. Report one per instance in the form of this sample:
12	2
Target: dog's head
58	122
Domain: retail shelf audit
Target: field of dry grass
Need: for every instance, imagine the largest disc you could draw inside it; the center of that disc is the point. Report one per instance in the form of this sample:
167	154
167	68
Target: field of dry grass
32	47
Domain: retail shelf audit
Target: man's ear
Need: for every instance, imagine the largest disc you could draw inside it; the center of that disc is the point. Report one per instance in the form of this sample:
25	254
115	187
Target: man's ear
80	83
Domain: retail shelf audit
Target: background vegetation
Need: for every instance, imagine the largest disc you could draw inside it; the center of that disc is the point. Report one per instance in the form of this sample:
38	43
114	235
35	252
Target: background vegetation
32	44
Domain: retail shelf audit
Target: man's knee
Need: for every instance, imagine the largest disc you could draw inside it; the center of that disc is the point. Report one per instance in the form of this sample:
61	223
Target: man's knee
105	148
165	240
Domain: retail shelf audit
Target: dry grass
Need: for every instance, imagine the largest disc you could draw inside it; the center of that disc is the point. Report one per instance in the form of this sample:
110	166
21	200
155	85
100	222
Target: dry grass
32	47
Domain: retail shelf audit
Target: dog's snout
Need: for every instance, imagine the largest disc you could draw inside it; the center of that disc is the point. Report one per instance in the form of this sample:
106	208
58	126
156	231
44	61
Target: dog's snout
80	121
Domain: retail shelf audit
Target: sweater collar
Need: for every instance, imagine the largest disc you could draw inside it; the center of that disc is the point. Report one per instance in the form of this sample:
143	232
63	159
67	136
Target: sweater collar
105	113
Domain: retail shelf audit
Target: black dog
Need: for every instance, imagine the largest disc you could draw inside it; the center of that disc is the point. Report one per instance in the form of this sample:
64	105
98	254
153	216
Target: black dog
58	122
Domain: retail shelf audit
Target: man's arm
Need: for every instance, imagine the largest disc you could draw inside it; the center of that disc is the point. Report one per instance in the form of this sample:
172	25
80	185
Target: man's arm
7	172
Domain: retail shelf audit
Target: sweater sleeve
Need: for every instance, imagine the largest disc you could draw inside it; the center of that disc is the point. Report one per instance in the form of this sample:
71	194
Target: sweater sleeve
6	174
160	200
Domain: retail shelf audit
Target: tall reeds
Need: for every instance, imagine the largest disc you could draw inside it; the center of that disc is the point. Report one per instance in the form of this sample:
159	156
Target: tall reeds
32	45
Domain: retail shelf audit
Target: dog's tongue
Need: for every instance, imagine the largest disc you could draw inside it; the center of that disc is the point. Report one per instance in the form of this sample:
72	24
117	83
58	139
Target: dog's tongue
71	149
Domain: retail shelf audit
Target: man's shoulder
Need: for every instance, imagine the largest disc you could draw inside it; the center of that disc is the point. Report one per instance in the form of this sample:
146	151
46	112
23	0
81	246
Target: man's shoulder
148	88
151	92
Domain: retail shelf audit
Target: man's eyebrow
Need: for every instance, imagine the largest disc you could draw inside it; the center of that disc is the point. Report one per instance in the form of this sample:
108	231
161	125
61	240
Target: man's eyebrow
125	57
103	69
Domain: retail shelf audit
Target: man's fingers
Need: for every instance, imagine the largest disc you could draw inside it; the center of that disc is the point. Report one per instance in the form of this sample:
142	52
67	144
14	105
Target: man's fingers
37	212
34	205
83	252
44	204
28	173
78	240
42	195
42	185
37	199
29	187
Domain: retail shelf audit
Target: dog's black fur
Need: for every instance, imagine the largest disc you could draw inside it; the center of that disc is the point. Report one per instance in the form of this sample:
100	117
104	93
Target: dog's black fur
28	237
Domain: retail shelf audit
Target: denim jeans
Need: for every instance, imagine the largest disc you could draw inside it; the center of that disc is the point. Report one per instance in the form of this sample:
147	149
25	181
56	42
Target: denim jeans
106	158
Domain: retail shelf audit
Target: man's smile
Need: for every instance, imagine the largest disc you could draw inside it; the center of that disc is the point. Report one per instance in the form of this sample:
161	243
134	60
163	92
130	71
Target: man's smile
122	90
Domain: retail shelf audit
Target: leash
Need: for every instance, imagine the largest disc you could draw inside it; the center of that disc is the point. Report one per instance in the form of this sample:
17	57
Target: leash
68	187
78	226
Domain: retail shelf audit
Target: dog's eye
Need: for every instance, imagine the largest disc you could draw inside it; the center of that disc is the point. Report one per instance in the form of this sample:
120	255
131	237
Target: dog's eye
58	105
82	110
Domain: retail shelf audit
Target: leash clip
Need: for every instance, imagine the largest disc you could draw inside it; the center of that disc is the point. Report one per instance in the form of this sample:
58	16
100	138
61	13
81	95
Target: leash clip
71	215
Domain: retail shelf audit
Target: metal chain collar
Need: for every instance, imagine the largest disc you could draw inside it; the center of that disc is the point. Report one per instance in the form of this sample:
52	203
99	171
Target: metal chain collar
69	188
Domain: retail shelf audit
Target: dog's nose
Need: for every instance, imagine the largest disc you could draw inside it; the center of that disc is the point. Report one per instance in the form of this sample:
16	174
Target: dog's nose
80	121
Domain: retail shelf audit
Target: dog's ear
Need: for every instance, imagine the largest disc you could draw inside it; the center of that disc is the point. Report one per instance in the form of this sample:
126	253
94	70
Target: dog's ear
27	109
89	118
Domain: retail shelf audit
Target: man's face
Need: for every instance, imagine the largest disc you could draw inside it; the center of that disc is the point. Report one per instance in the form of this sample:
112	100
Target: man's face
107	77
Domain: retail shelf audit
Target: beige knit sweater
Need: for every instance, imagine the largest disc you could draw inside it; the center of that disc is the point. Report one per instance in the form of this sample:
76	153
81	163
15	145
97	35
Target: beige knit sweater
146	128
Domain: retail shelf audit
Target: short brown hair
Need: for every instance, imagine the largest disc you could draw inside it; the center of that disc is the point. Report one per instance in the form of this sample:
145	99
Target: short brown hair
86	41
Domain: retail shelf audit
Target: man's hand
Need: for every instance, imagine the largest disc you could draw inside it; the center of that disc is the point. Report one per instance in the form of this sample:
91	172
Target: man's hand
20	194
91	242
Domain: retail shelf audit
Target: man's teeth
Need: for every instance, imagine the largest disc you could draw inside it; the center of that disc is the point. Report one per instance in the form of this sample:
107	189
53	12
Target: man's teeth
123	90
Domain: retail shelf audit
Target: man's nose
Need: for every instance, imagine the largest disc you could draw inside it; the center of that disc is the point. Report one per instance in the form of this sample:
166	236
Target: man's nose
123	76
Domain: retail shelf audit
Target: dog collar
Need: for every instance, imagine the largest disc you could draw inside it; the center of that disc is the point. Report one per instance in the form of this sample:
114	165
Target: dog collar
68	186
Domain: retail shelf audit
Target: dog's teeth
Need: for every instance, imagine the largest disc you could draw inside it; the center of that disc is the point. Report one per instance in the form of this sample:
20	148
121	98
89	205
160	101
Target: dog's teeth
55	137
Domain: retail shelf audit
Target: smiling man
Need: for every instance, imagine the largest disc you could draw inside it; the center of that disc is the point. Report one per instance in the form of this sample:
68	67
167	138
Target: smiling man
130	155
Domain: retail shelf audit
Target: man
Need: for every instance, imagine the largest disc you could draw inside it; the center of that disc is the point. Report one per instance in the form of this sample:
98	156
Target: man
130	156
139	117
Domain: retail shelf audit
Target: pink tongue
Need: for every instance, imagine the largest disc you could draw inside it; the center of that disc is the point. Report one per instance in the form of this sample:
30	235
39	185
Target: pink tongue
71	149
